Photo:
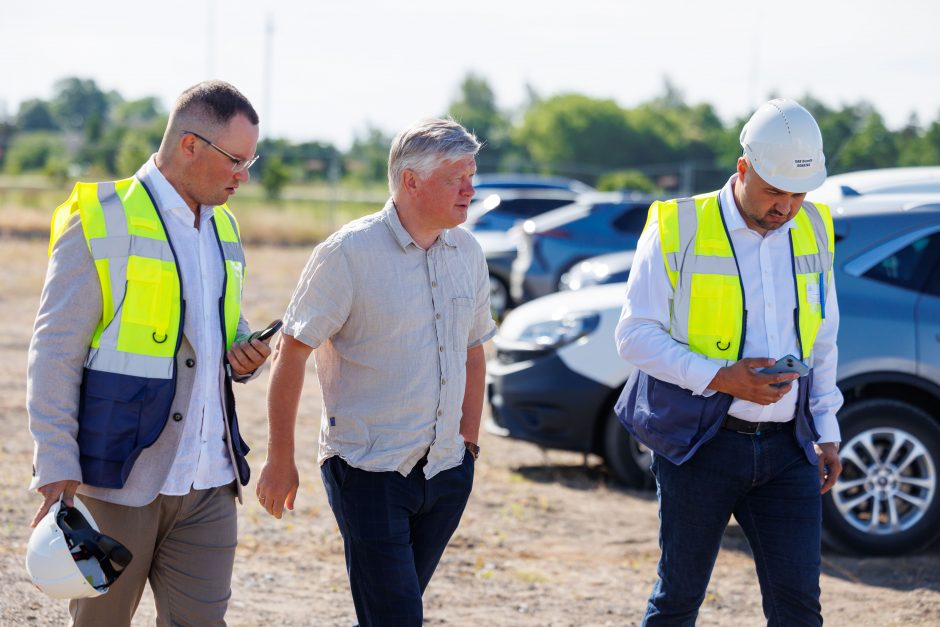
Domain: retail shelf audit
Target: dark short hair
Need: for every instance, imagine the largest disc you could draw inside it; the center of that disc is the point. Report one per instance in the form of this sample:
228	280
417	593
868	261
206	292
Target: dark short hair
215	100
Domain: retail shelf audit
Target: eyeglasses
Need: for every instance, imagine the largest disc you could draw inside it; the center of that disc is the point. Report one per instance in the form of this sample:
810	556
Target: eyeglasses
238	165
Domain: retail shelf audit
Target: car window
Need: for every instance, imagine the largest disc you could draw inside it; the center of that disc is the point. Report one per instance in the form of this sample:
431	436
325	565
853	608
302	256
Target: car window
529	207
631	219
910	266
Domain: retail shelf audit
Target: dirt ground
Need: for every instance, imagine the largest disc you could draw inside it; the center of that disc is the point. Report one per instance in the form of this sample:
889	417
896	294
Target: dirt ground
546	539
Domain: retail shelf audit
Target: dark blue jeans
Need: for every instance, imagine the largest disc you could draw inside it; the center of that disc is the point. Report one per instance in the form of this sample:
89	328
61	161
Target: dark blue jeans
395	530
771	489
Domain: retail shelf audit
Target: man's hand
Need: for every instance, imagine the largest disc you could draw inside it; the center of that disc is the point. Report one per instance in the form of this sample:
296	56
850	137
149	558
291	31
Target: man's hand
743	380
51	493
246	357
830	466
277	486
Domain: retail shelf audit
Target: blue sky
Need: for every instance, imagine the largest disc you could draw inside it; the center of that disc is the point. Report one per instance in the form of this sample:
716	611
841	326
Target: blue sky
335	67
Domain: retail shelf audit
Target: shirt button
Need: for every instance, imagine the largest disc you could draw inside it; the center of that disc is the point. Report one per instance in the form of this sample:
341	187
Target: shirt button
190	362
437	316
440	412
443	381
433	283
177	417
441	349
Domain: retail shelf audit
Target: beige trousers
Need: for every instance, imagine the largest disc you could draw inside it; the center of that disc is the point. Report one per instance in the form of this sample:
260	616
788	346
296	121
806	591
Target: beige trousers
185	547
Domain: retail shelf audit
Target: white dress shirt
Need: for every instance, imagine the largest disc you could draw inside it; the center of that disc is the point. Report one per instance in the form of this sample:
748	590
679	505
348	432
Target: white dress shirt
643	339
202	460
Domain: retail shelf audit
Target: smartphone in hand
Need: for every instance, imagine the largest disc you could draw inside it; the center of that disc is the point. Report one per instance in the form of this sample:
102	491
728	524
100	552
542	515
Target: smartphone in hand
787	363
267	332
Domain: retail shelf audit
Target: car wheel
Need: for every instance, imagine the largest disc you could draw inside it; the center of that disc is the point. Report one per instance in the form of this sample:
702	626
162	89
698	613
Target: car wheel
499	296
628	460
885	501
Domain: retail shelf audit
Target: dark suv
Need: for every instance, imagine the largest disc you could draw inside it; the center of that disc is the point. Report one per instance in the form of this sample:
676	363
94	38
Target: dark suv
552	243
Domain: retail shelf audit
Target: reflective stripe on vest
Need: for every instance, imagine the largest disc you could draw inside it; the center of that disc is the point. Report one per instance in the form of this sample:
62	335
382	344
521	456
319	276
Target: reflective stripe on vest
708	308
227	234
141	322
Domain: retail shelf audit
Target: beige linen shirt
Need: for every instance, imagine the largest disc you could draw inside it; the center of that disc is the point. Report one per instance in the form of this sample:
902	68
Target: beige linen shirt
391	323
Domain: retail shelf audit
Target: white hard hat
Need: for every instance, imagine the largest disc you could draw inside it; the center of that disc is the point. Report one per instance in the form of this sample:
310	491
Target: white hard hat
783	143
67	558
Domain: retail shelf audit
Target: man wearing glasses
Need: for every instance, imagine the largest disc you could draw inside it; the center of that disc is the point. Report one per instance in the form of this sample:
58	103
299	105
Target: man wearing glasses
137	340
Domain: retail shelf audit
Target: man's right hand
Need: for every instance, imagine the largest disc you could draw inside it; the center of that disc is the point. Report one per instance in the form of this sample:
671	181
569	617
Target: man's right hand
51	493
743	380
277	486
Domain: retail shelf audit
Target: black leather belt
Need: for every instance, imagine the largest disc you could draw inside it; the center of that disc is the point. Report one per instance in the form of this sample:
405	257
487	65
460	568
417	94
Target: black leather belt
752	428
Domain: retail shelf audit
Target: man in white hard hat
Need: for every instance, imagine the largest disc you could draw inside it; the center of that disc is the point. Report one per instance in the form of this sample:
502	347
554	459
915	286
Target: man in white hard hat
723	286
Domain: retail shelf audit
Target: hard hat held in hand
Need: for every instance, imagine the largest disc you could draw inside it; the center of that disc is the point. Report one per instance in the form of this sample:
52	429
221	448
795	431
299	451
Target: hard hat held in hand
783	144
68	558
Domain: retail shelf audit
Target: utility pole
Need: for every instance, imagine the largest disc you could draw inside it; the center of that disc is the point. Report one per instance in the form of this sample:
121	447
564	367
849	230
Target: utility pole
268	65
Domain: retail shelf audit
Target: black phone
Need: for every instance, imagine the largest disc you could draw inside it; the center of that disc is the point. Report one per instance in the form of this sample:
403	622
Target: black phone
787	363
267	332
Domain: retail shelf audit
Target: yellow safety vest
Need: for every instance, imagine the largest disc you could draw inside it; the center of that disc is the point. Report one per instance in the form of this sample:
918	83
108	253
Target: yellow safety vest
130	371
708	308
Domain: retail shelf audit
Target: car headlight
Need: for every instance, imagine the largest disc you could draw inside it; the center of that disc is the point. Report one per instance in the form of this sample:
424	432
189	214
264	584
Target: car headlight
561	331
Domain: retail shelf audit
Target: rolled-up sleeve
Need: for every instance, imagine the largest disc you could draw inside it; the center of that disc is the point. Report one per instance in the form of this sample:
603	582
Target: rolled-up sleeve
483	326
323	297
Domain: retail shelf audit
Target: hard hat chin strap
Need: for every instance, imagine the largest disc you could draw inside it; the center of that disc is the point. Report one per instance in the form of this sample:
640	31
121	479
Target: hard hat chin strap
85	542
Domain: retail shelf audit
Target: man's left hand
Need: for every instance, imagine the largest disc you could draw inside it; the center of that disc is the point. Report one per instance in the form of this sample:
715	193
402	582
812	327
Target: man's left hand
246	357
830	466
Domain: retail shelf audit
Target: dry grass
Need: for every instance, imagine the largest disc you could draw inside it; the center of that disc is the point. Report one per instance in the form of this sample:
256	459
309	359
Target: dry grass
545	539
306	215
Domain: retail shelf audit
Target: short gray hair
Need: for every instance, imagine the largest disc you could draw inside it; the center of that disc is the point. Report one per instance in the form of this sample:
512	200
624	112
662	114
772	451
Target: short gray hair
425	145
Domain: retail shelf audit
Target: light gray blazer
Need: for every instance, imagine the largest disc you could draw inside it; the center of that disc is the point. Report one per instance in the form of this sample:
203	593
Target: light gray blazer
69	310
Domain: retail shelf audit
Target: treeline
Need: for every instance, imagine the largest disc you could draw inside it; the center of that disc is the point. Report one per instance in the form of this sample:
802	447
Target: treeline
662	144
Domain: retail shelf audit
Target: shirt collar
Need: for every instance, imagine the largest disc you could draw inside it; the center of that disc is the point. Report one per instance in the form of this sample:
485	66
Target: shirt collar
402	236
733	217
168	200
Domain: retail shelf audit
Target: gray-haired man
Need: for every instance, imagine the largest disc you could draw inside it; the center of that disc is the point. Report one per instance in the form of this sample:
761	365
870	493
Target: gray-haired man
396	306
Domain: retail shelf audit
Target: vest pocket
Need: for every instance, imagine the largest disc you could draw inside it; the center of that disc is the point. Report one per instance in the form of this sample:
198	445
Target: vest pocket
109	420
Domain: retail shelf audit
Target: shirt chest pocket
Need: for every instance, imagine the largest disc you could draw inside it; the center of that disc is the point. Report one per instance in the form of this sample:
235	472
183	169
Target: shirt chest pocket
461	310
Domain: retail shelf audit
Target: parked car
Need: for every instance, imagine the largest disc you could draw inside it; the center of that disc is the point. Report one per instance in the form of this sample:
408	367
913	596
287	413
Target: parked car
528	181
500	210
840	187
556	375
554	242
600	270
499	248
837	190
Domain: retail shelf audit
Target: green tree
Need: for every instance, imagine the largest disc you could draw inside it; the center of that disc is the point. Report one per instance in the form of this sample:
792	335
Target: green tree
274	176
627	180
79	105
35	115
914	148
578	135
367	158
30	152
872	146
475	108
137	113
134	149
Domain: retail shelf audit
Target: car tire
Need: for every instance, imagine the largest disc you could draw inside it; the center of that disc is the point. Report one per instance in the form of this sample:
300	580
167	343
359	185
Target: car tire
500	300
627	459
877	506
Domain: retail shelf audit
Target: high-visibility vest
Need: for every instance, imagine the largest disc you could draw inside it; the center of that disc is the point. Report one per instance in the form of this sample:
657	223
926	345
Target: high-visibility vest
130	372
708	313
708	308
